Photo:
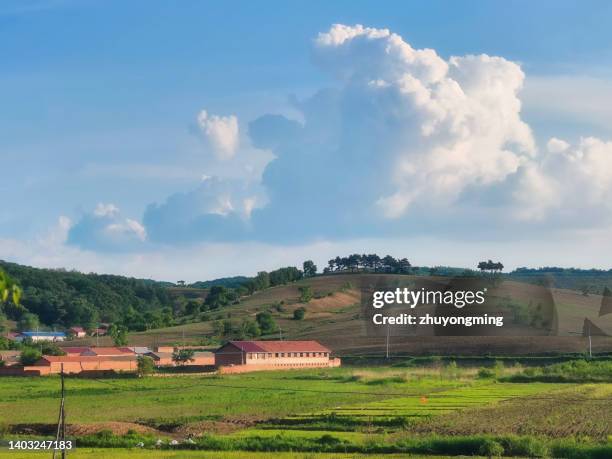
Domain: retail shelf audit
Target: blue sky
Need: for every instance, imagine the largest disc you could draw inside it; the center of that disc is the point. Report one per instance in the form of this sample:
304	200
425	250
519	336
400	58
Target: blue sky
107	166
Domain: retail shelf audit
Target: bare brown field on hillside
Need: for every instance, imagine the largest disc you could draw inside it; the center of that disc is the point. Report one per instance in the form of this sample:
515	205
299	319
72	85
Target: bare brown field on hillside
334	318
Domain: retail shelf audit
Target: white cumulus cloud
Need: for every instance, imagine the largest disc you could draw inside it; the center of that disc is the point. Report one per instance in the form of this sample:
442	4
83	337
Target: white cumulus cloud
221	133
449	124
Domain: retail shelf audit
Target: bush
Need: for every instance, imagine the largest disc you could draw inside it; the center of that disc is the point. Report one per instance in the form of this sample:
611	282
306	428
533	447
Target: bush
576	371
491	448
299	314
146	365
29	356
486	373
305	294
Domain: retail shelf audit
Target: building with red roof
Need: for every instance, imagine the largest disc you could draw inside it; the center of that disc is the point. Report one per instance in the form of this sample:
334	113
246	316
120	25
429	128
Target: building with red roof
77	332
240	356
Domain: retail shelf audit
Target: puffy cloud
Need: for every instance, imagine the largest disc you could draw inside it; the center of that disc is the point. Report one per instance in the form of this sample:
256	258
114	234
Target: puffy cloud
220	133
406	141
555	145
447	124
571	185
218	209
107	230
106	210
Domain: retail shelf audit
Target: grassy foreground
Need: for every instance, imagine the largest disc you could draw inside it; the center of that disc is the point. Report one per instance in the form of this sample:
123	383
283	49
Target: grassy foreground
343	412
101	453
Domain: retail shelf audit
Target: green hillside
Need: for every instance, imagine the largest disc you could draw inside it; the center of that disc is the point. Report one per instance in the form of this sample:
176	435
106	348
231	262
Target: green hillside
65	298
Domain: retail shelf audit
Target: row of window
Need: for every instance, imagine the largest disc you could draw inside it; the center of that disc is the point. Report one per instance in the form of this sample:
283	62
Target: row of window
270	355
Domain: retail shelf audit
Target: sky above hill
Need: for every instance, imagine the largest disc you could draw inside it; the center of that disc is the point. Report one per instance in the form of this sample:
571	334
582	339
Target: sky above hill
195	140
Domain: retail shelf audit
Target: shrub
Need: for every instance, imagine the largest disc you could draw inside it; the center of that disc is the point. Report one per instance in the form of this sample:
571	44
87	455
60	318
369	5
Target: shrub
29	356
305	294
299	314
491	448
146	365
486	373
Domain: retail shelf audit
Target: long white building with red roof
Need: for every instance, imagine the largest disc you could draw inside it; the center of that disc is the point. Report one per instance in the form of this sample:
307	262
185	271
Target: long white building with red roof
240	356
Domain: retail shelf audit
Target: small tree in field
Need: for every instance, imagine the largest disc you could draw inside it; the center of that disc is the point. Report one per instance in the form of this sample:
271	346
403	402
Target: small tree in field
305	294
183	356
146	365
310	269
119	334
299	314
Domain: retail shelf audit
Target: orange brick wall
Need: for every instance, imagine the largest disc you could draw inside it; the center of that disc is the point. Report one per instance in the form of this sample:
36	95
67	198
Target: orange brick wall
334	362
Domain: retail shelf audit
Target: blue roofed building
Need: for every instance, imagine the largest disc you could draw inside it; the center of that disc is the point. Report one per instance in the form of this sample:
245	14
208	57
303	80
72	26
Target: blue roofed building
41	336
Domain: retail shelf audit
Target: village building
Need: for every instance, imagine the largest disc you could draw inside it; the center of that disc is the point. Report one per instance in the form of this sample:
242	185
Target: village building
77	332
140	350
98	351
240	356
71	364
169	349
41	336
8	358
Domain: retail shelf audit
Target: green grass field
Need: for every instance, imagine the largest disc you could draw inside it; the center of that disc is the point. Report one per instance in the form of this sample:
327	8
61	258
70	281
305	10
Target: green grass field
100	453
435	409
162	399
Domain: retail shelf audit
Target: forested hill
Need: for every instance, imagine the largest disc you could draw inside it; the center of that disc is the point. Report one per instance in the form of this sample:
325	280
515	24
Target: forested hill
229	282
66	298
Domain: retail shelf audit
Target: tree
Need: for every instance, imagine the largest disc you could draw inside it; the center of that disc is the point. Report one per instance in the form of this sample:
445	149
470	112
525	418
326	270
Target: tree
262	280
217	327
299	313
310	269
490	266
192	307
183	356
9	290
48	348
119	334
266	323
28	322
305	293
403	265
3	323
146	365
29	356
389	263
249	329
217	297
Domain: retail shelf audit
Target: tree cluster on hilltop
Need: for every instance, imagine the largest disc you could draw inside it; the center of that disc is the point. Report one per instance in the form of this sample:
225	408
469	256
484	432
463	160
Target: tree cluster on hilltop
370	262
490	266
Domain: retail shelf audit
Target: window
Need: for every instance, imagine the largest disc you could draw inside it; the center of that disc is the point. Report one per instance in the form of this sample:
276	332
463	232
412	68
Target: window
276	355
282	354
301	354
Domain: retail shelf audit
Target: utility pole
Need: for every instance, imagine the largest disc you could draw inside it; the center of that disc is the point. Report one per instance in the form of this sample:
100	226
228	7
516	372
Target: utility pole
280	332
388	333
60	435
590	344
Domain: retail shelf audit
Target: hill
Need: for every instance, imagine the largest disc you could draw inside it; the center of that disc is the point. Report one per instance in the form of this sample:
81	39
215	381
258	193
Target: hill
66	298
334	317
